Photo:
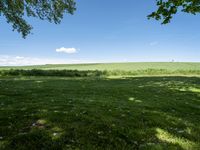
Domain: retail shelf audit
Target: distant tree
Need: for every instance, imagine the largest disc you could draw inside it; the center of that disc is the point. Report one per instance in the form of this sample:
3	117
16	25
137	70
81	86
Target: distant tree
167	8
50	10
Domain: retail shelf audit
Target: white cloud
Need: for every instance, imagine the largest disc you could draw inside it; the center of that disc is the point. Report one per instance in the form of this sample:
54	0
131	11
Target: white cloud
19	57
66	50
6	60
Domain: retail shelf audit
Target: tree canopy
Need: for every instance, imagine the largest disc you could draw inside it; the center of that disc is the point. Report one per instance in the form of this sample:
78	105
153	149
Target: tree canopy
15	11
167	8
50	10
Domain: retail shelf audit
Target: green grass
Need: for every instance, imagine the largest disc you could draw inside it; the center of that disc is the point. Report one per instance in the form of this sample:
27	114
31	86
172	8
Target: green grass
91	113
172	69
118	66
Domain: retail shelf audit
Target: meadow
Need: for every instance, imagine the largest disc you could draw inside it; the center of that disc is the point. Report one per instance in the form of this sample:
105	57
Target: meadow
170	66
126	106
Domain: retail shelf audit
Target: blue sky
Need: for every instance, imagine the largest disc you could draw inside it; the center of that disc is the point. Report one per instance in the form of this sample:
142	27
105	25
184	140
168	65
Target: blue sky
104	31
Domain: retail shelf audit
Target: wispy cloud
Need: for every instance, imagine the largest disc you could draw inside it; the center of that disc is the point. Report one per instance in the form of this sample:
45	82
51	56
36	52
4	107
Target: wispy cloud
6	60
154	43
66	50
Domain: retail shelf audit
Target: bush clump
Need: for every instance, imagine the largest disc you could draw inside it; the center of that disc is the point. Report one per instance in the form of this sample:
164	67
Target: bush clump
60	73
94	73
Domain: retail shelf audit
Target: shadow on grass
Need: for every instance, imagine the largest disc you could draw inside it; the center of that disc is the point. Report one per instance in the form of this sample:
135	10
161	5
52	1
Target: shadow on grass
86	113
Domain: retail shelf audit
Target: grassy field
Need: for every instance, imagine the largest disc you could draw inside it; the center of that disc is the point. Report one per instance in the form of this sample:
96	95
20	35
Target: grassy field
99	112
110	69
173	66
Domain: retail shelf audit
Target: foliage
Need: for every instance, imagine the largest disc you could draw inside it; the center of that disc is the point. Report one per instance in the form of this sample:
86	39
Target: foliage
51	10
167	8
95	73
61	73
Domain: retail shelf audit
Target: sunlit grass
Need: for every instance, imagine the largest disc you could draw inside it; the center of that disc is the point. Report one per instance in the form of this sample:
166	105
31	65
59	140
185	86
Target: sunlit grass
132	66
134	100
181	141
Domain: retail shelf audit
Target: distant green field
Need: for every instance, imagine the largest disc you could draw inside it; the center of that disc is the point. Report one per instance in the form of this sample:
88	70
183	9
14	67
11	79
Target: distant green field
171	66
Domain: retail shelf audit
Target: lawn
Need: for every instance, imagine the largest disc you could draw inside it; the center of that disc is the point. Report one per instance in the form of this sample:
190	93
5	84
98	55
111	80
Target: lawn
88	113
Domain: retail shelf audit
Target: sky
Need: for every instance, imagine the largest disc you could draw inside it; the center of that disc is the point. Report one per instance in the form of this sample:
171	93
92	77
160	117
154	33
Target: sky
103	31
